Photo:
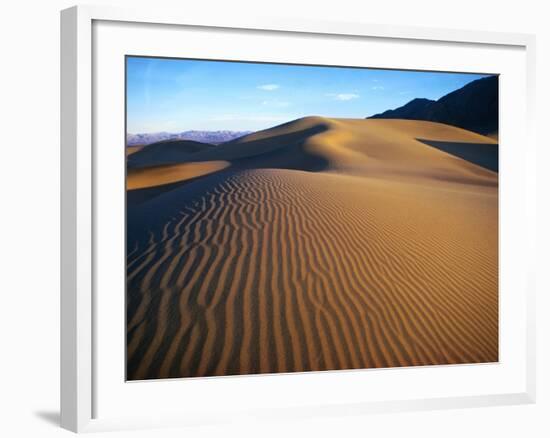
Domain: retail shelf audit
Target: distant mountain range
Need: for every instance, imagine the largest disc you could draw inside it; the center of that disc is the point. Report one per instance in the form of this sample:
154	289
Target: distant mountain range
210	137
473	107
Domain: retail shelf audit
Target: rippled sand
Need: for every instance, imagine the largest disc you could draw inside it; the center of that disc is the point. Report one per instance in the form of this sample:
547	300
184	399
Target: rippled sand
321	244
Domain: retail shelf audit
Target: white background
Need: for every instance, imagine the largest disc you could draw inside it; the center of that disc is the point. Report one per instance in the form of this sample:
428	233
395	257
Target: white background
191	398
29	181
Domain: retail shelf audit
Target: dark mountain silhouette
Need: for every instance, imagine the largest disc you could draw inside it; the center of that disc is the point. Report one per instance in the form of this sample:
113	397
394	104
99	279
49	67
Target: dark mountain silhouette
409	111
473	107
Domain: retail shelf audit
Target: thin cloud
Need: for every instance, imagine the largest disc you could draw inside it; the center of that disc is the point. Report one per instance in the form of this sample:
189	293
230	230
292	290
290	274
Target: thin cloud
344	96
268	87
377	87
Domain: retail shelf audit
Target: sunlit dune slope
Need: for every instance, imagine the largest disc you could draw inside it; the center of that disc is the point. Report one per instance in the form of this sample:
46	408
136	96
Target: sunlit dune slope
164	153
351	146
159	175
325	244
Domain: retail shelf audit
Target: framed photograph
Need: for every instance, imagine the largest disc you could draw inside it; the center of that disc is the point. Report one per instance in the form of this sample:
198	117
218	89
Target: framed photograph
274	219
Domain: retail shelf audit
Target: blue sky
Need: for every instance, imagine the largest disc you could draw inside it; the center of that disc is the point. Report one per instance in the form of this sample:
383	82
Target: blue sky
178	95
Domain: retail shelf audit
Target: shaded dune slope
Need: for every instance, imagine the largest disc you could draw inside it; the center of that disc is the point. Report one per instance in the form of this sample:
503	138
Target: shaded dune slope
482	154
164	153
155	176
325	244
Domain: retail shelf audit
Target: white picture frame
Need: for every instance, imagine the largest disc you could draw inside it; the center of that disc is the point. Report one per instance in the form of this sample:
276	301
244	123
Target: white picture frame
80	168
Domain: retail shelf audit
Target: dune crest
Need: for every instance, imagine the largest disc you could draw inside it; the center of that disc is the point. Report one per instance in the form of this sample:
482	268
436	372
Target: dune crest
319	244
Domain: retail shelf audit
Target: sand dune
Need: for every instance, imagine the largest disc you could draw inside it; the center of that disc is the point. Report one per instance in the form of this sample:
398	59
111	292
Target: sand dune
133	149
159	175
164	153
320	244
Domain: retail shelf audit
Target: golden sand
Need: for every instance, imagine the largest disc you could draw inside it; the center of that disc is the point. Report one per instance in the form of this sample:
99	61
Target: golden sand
327	244
159	175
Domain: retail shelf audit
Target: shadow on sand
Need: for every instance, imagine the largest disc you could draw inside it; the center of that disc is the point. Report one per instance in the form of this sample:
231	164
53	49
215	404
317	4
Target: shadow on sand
482	154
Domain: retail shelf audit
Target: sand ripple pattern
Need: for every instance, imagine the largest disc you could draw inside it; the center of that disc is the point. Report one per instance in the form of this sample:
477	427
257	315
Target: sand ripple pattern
277	270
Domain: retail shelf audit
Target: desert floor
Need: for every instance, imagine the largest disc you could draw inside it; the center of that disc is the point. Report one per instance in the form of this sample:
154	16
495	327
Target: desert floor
320	244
